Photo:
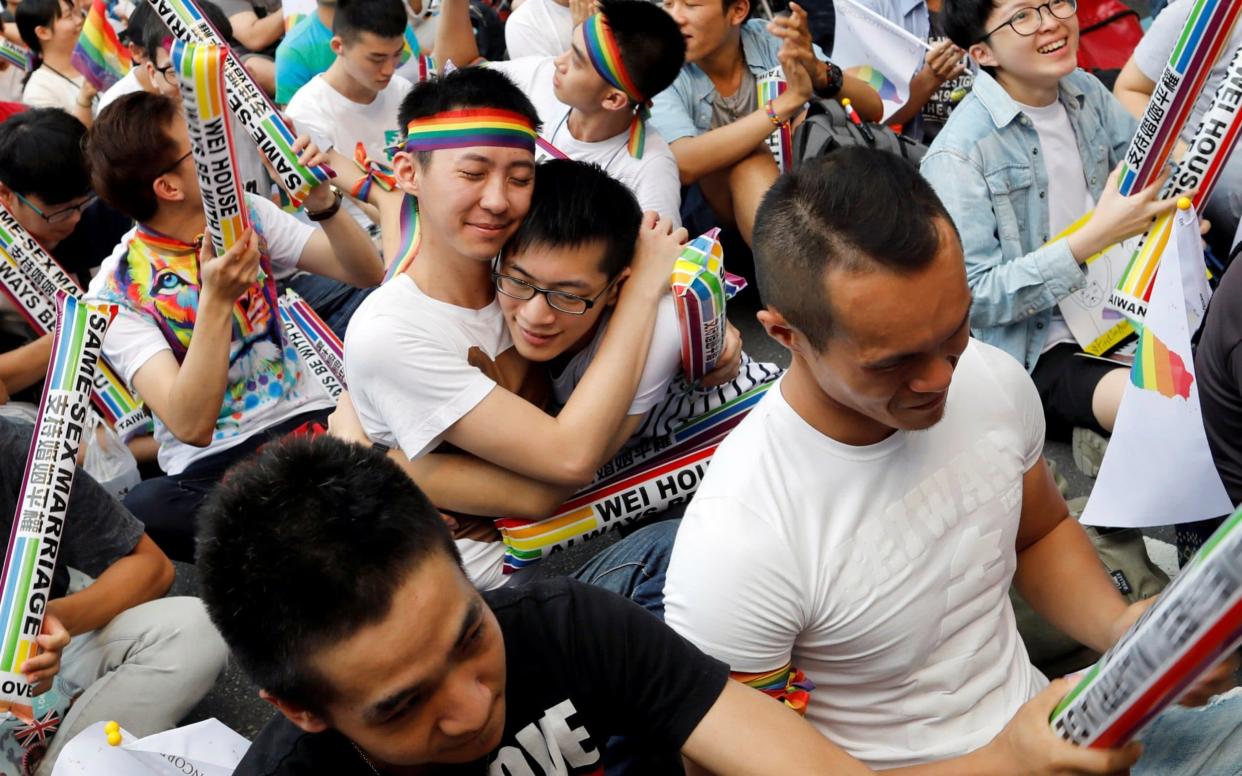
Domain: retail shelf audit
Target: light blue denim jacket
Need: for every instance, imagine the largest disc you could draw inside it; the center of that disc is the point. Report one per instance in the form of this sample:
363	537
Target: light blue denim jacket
685	108
987	166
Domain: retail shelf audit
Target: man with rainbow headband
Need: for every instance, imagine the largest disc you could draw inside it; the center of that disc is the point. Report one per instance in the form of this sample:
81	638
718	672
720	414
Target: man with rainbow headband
593	98
428	357
199	336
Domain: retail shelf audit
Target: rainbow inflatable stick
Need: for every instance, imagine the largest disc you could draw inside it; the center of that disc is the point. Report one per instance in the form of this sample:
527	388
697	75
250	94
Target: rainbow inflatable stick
200	71
700	289
1196	621
318	346
41	280
1203	40
99	55
1199	170
770	85
15	54
247	101
43	500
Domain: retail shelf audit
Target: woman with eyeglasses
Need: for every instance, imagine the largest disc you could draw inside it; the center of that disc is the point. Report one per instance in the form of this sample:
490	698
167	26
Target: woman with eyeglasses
50	28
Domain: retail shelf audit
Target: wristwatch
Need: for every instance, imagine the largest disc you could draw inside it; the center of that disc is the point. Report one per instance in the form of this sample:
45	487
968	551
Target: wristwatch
836	79
330	210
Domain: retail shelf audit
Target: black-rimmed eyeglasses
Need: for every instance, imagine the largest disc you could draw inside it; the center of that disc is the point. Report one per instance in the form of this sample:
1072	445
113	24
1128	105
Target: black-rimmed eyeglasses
1027	21
557	300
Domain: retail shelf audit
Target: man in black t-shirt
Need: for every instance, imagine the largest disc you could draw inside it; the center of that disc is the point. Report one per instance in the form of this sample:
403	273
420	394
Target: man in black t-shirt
340	591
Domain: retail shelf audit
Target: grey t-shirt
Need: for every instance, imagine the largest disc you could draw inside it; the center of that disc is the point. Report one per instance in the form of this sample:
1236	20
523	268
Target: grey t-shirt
743	102
261	8
98	530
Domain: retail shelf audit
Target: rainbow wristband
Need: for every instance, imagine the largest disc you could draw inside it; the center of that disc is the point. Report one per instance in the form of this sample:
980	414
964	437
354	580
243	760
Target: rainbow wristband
42	503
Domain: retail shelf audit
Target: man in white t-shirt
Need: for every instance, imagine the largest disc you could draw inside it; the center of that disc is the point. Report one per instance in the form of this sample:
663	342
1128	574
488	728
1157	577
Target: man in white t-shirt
138	79
540	28
199	337
586	116
428	357
356	100
860	529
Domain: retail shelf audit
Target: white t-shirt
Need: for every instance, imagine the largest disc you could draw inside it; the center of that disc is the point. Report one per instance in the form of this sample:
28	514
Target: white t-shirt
881	571
410	377
47	89
334	121
127	85
1068	196
539	28
134	339
11	84
654	179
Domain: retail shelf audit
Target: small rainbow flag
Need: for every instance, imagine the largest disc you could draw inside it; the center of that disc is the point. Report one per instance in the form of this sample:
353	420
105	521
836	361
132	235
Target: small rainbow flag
15	54
99	55
1156	368
876	80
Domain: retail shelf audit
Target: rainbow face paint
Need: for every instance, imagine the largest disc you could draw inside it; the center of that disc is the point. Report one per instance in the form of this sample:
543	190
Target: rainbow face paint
43	501
470	128
604	54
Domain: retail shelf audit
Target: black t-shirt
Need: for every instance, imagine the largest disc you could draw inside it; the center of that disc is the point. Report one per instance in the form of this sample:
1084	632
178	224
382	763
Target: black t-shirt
599	662
1218	365
942	101
98	530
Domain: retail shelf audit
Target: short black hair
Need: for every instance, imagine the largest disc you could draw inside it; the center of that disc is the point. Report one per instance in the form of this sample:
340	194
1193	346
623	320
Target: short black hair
381	18
853	209
965	21
303	544
128	148
575	203
653	49
464	88
36	13
41	154
142	19
157	33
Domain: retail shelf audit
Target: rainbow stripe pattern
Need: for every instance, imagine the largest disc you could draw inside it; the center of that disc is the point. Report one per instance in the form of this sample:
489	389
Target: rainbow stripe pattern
470	128
641	481
32	279
325	341
42	504
1139	276
15	54
1196	621
1200	45
1156	368
247	101
786	684
99	55
411	238
374	171
770	85
700	290
605	55
876	80
200	71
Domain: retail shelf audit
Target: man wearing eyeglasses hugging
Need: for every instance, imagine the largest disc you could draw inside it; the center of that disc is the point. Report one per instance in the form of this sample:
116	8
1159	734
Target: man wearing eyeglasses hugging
1022	158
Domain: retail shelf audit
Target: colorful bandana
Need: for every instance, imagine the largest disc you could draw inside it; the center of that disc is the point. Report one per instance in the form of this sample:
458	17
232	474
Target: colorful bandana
470	128
605	56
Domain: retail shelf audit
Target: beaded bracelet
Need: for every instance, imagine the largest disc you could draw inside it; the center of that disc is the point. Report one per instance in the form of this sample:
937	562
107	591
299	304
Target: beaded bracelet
772	117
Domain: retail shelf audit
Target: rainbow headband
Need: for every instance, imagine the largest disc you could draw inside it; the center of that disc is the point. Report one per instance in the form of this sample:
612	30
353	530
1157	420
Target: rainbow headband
469	129
605	56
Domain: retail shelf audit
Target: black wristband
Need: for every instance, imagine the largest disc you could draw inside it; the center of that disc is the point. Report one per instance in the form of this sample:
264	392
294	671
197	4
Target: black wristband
836	79
330	210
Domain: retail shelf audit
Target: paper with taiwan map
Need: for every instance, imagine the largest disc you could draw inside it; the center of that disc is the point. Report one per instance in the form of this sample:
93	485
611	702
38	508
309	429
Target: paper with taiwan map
1158	469
206	748
873	49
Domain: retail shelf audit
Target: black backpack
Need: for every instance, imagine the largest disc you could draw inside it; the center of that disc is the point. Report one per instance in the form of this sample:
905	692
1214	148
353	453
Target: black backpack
826	128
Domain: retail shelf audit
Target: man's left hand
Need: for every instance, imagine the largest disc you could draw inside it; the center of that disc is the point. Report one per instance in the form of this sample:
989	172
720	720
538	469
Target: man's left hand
730	361
310	155
43	667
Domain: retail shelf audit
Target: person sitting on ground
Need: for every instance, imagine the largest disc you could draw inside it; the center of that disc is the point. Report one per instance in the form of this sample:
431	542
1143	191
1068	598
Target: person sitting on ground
711	116
307	50
382	658
427	356
1020	160
1138	80
198	336
132	654
258	26
861	527
50	28
357	99
586	111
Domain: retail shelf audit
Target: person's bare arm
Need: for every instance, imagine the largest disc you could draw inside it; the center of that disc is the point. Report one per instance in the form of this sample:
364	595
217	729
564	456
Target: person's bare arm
22	367
795	32
340	250
187	397
455	35
143	575
1133	89
257	34
942	63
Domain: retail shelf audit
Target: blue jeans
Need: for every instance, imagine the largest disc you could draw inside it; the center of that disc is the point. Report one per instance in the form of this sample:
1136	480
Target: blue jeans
1205	741
635	567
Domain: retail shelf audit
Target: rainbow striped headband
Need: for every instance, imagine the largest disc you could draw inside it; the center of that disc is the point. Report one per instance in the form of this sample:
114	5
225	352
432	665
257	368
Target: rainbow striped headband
605	56
469	129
